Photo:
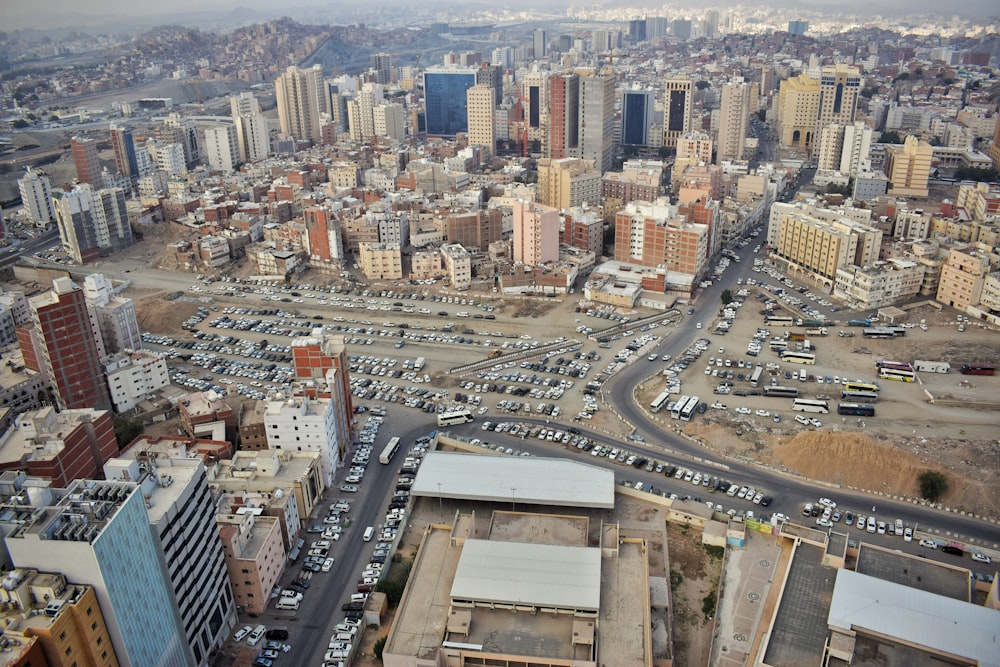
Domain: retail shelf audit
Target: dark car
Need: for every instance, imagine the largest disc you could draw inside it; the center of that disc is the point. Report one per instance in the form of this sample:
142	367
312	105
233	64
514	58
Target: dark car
277	634
954	551
352	606
766	500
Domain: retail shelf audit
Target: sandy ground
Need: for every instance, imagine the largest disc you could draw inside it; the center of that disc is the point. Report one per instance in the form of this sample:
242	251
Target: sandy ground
694	574
884	453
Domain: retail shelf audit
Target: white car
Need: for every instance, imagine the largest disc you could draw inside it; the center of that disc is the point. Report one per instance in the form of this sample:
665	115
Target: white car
763	413
981	558
742	410
241	633
930	544
327	565
256	635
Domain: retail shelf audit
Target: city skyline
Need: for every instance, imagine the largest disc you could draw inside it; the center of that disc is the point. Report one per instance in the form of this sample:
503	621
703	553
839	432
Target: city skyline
49	14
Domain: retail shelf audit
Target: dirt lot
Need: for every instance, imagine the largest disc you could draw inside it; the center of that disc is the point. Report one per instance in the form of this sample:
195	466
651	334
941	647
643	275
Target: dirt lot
694	582
884	453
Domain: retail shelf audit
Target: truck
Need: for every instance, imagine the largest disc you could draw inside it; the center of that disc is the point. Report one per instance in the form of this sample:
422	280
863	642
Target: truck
809	323
794	335
859	323
931	366
819	331
419	363
977	369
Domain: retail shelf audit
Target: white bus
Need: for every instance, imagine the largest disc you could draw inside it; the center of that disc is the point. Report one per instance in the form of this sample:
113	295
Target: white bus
688	410
454	417
807	358
675	413
755	378
390	450
897	374
660	401
811	405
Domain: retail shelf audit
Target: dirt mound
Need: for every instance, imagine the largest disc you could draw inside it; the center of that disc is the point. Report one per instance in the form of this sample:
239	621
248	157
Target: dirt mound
853	459
163	317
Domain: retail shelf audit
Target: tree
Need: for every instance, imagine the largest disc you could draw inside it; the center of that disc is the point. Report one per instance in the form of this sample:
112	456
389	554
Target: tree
393	590
379	646
702	84
933	485
126	430
890	137
727	296
20	124
976	174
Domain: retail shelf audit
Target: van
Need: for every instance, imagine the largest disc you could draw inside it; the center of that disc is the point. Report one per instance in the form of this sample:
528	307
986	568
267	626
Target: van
369	534
358	597
256	635
287	604
344	637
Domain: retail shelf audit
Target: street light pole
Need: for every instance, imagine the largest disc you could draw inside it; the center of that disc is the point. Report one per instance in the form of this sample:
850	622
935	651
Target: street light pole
512	490
440	500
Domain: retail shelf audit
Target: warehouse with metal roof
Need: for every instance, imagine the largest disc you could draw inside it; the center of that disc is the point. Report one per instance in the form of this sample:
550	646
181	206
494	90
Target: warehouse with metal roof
536	576
528	480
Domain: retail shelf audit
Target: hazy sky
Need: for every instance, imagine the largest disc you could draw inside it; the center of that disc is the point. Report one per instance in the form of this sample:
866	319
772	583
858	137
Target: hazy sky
49	11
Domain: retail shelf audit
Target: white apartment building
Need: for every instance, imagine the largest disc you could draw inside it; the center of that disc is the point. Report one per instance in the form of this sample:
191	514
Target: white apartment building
134	376
36	195
222	148
890	282
458	263
303	424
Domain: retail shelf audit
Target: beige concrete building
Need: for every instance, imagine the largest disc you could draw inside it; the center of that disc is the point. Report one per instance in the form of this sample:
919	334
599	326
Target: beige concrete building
536	233
678	105
839	87
909	167
798	109
380	261
254	554
568	182
297	92
481	105
279	474
818	248
962	278
458	265
890	282
734	117
831	143
425	264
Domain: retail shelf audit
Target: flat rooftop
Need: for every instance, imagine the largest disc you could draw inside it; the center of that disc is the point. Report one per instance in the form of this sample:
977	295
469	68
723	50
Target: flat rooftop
526	480
536	575
920	573
916	617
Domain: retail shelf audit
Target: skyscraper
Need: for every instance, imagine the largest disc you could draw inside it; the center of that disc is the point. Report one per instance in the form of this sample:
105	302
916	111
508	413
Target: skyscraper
733	118
563	135
113	316
492	76
297	93
637	31
856	147
98	532
539	41
36	195
681	29
798	27
69	352
637	115
597	117
382	64
88	165
909	167
798	111
677	110
181	514
445	100
710	24
121	141
251	127
839	87
481	102
93	222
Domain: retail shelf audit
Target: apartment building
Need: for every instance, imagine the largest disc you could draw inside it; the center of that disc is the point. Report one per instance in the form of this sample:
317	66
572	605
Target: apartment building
380	261
458	265
567	182
254	553
962	278
887	283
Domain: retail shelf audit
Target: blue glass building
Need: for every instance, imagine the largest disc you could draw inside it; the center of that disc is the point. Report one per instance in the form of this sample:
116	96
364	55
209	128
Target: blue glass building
637	114
445	101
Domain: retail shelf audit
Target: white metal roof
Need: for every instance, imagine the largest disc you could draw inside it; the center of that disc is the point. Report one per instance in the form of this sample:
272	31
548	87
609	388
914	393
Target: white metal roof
543	575
916	617
520	479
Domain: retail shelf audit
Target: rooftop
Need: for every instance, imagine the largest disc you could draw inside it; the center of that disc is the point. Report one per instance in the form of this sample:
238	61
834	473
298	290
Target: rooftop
527	480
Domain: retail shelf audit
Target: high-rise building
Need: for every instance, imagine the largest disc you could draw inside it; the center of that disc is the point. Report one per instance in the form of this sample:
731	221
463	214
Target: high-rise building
831	144
382	65
36	195
822	246
798	27
734	116
170	158
492	76
323	356
222	147
93	222
301	423
909	167
124	145
656	27
681	29
324	239
798	111
251	127
183	131
535	104
88	165
62	341
181	513
98	532
445	99
297	93
637	31
839	88
503	57
637	116
568	182
475	230
597	117
481	102
538	39
656	234
387	119
112	315
562	138
710	24
677	110
536	233
856	147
